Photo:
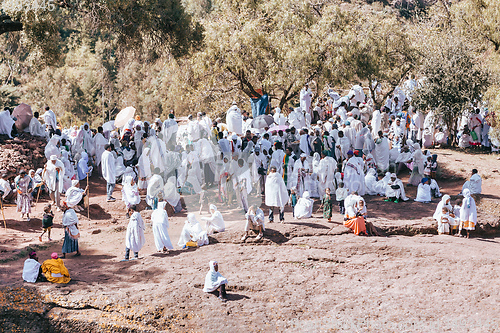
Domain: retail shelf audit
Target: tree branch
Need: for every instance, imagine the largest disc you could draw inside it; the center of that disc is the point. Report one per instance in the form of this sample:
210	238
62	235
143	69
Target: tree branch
7	25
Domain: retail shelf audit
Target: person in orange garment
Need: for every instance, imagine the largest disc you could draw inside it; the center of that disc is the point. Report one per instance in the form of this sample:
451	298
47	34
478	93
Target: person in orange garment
353	218
55	271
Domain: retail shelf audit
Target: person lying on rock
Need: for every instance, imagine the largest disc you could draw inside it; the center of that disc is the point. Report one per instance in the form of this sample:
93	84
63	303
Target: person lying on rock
215	281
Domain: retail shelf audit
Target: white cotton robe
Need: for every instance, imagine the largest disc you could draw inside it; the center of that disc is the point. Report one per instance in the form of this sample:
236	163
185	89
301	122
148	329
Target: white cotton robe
193	232
134	239
51	173
108	167
276	193
213	279
304	207
36	128
159	217
30	270
468	212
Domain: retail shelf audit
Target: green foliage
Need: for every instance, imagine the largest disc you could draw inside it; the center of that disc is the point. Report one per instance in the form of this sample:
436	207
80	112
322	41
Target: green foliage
454	79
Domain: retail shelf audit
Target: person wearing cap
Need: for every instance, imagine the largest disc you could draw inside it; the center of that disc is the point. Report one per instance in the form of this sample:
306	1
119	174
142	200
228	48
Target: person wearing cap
108	167
54	270
424	191
24	187
53	174
32	270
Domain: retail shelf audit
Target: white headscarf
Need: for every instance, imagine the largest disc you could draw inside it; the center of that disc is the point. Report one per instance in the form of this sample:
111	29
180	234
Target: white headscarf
213	278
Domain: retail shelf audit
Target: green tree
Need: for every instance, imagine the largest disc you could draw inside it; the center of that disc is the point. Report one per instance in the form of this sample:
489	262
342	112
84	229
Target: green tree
454	79
145	24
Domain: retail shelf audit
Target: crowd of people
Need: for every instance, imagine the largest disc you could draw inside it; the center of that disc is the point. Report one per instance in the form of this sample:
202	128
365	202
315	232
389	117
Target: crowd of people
332	148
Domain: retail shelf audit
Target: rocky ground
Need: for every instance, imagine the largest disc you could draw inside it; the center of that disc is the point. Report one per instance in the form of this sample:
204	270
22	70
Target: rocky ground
23	152
305	276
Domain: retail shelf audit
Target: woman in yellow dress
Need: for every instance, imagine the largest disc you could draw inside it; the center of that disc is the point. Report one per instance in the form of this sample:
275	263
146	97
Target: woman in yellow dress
55	271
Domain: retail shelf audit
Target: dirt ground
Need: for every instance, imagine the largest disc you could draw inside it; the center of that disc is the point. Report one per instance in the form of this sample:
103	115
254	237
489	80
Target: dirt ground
305	276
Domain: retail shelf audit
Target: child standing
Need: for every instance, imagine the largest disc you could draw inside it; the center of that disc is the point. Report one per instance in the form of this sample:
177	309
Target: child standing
434	166
47	221
444	223
341	194
135	234
455	222
293	200
427	167
327	205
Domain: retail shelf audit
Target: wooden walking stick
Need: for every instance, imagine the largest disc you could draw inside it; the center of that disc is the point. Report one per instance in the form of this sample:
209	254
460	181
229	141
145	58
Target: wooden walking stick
38	194
88	195
3	215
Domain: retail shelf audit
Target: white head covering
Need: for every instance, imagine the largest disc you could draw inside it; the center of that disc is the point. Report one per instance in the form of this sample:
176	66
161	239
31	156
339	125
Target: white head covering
53	157
74	182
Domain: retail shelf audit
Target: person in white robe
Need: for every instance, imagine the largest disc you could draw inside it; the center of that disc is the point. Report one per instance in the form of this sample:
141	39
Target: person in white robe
445	202
36	128
108	167
53	177
381	153
474	184
159	219
325	173
376	122
193	129
301	170
254	221
296	118
88	141
100	142
279	119
234	119
304	207
468	213
242	183
6	123
52	147
130	192
424	191
276	194
134	238
353	173
372	185
31	269
192	232
343	145
74	196
144	166
169	131
418	166
83	166
305	99
215	281
154	191
49	118
214	223
394	190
